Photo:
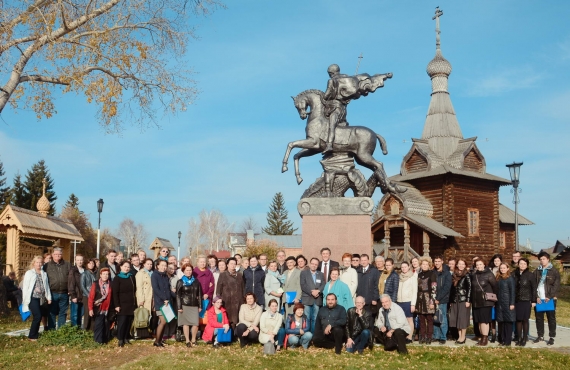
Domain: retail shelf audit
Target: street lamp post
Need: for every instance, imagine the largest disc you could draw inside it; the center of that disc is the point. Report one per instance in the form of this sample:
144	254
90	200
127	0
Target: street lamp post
514	170
99	209
179	236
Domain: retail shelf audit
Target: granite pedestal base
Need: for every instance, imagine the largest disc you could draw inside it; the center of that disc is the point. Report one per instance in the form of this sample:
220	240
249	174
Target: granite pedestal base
341	224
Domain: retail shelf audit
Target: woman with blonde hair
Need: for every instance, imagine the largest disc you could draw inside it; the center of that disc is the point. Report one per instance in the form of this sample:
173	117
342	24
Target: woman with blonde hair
206	279
348	274
425	302
36	295
408	294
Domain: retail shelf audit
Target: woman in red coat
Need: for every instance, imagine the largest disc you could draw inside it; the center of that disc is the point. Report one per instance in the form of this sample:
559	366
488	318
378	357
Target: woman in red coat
217	319
99	302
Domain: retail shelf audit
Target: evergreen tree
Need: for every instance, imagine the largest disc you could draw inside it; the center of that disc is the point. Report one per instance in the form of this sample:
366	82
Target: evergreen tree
277	222
34	187
72	202
18	193
4	190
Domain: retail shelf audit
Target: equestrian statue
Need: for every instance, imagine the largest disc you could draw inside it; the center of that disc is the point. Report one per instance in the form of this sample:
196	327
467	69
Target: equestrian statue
329	133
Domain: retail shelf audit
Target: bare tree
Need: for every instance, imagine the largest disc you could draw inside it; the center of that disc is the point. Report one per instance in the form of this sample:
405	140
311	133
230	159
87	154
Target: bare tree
194	237
215	228
133	236
127	56
249	224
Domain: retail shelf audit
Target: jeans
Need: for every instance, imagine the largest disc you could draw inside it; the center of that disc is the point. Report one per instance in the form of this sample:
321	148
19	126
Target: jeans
360	342
551	317
76	312
58	310
440	331
312	312
304	340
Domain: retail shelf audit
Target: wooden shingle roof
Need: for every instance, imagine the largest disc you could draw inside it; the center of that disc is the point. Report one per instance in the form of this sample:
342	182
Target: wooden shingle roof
34	225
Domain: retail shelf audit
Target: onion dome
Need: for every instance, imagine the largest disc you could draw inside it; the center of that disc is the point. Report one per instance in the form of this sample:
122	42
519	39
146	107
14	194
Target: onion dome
43	206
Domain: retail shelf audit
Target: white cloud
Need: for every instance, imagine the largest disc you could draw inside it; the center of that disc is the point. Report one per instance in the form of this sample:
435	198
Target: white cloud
503	81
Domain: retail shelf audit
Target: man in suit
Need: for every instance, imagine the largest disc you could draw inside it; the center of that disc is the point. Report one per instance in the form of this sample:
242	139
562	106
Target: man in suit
326	263
368	277
312	285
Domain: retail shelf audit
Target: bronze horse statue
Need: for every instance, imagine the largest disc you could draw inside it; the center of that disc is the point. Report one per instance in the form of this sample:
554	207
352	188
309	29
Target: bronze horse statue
358	141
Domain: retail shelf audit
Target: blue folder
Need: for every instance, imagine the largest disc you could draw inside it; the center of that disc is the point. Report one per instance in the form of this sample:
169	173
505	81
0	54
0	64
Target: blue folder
545	306
24	315
493	313
290	297
224	337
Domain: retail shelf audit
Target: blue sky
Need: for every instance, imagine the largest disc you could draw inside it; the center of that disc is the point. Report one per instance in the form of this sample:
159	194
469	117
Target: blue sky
510	87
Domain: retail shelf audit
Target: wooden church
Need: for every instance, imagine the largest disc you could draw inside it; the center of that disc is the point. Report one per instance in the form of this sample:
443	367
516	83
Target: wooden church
451	206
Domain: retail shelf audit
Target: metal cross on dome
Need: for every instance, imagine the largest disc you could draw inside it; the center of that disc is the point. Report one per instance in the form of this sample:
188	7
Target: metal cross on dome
438	13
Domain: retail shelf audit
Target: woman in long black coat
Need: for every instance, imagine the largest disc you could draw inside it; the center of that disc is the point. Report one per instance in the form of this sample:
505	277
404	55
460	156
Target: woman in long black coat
505	306
230	288
525	299
123	290
482	281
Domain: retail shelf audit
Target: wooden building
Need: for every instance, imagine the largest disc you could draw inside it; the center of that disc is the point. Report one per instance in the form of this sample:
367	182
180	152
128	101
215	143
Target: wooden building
451	206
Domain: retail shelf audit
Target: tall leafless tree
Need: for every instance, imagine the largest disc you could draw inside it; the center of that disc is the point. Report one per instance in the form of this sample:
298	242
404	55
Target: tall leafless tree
133	235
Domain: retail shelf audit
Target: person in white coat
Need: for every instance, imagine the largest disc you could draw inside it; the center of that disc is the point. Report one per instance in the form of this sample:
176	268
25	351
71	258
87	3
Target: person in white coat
348	274
273	284
271	326
36	295
407	294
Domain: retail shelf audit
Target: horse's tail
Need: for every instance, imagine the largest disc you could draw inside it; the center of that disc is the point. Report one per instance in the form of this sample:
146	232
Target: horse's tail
383	145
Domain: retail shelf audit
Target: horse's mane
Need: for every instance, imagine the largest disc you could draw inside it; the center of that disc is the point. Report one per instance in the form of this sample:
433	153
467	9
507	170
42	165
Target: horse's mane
310	91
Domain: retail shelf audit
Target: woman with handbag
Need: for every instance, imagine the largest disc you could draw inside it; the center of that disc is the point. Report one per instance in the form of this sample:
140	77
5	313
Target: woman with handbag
271	327
144	289
98	303
124	291
35	295
484	296
460	298
525	299
189	303
217	319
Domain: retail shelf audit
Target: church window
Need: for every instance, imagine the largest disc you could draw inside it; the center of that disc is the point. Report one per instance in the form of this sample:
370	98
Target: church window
473	221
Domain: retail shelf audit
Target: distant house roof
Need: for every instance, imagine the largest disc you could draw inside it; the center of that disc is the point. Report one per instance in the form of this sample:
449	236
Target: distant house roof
443	169
160	243
284	241
507	216
432	226
33	224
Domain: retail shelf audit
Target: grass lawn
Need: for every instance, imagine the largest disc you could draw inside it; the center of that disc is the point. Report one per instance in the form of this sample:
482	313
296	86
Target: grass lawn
12	322
18	353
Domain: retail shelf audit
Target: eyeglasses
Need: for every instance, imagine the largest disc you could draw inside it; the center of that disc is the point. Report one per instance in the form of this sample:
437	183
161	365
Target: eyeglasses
164	251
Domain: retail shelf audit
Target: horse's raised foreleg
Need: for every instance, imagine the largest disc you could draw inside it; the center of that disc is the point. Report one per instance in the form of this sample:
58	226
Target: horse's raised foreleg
301	154
308	143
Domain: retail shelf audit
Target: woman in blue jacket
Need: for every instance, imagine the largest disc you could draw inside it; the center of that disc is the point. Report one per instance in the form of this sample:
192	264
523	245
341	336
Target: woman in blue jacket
338	288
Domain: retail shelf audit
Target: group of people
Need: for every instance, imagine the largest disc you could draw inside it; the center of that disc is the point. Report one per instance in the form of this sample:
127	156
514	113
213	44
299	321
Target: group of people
292	301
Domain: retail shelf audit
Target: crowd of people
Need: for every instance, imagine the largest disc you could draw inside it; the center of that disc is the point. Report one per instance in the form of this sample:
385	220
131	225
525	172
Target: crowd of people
294	302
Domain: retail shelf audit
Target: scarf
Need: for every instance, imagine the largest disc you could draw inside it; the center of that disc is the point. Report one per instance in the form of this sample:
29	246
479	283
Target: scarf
187	281
458	275
149	272
163	258
544	273
277	275
406	276
104	290
123	275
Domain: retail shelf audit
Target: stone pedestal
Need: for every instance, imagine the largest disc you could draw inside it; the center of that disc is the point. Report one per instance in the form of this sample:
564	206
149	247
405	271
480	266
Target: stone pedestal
341	224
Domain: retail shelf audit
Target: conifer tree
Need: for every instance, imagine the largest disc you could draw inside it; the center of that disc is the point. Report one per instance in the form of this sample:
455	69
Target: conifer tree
33	187
4	190
18	193
277	222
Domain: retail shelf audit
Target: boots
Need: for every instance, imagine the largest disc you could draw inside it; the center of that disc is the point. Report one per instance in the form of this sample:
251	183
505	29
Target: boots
493	338
524	340
484	340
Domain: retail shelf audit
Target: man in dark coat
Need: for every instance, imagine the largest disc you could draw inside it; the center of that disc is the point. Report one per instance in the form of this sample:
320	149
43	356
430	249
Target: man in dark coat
548	283
330	326
75	293
358	321
57	271
312	285
111	264
368	277
254	279
326	263
441	298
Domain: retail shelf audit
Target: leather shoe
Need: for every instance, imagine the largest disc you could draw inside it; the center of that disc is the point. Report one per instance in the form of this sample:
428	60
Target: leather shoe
550	342
538	340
